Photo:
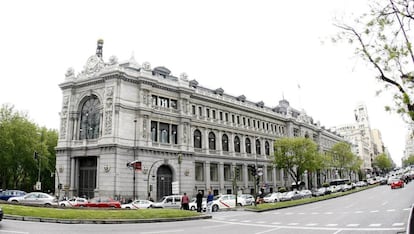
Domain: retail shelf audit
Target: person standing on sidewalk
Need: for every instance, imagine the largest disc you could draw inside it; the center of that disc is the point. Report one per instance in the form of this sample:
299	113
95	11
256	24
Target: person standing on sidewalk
210	198
185	201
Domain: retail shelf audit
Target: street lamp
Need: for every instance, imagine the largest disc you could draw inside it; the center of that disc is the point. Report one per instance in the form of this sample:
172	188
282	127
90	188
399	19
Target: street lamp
135	159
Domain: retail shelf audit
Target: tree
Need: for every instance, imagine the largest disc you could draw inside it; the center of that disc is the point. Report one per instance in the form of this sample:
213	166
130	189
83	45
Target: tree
19	139
342	158
383	163
409	161
296	155
383	38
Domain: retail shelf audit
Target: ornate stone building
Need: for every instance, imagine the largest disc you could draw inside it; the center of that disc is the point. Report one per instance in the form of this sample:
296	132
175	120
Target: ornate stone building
186	137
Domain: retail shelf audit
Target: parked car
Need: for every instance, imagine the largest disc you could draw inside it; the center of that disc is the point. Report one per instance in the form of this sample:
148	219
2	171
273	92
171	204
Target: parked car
1	214
272	197
138	204
226	201
320	192
397	184
100	202
248	198
193	204
5	195
170	201
73	202
305	193
361	184
37	198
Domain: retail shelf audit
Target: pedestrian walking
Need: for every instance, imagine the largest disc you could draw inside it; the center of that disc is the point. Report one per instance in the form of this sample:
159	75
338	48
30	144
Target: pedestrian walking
199	201
210	198
184	201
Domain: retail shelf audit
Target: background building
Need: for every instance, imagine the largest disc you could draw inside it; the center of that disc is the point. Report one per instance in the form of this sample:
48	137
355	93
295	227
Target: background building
185	137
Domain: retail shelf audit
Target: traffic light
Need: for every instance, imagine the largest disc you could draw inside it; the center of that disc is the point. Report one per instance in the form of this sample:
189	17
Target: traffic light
236	172
257	181
253	170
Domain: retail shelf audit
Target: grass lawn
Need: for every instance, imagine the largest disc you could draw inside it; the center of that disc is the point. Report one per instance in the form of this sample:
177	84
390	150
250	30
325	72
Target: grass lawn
84	214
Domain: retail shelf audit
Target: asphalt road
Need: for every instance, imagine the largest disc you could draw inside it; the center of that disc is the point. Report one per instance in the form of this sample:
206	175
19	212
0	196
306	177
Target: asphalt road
377	210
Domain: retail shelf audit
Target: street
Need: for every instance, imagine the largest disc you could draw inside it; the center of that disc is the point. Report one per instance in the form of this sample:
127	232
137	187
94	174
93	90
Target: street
376	210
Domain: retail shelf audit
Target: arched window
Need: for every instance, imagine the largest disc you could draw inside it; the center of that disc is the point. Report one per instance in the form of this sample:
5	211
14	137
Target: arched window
197	139
211	141
90	119
258	147
267	148
248	146
225	142
236	144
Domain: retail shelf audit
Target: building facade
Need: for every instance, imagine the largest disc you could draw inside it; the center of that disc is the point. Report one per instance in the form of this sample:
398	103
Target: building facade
184	137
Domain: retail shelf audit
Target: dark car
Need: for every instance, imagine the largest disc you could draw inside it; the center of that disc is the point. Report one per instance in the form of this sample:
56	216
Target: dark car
101	202
5	195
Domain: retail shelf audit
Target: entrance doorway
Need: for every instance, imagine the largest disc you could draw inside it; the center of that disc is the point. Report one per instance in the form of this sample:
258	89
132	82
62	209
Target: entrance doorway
87	177
164	180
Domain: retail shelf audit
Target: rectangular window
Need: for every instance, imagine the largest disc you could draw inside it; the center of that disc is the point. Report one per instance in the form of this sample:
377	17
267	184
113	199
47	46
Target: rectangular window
214	172
238	119
174	134
200	111
174	104
154	100
232	119
214	114
244	121
164	133
269	174
248	122
227	173
164	102
154	131
221	115
254	123
240	175
208	113
199	171
193	110
227	117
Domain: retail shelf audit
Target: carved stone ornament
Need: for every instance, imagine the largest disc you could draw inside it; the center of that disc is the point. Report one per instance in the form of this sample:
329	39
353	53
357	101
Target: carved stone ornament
184	76
93	64
146	66
107	168
70	73
113	60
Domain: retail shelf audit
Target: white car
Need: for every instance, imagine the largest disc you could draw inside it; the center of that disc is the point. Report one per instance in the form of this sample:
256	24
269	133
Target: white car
248	198
193	205
272	197
37	198
226	201
138	204
305	193
73	201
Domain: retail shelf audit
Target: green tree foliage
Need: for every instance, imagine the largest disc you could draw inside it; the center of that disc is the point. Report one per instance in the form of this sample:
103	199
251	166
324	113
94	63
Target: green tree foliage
409	161
383	163
383	38
296	155
342	158
19	139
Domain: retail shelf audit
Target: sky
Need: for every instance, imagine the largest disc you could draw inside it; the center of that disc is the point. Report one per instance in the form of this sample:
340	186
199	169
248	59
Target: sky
265	50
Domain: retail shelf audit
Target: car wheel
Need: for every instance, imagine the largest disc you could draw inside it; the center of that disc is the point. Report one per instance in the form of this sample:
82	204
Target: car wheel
215	208
63	205
128	207
48	204
275	200
14	201
192	208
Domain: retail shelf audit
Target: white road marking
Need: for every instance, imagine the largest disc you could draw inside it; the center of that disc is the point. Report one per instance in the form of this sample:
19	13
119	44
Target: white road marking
232	220
260	222
352	225
277	223
311	224
276	213
374	211
293	224
315	212
301	213
397	224
391	210
384	203
328	213
246	221
4	231
359	212
331	225
375	225
289	213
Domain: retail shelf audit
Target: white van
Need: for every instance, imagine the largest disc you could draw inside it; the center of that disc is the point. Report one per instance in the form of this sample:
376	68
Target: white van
170	201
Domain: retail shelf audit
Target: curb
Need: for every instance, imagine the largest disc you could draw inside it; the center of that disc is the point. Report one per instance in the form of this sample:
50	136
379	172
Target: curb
101	221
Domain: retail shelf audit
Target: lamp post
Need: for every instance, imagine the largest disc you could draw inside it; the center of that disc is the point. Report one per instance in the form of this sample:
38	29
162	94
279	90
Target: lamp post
179	160
135	159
